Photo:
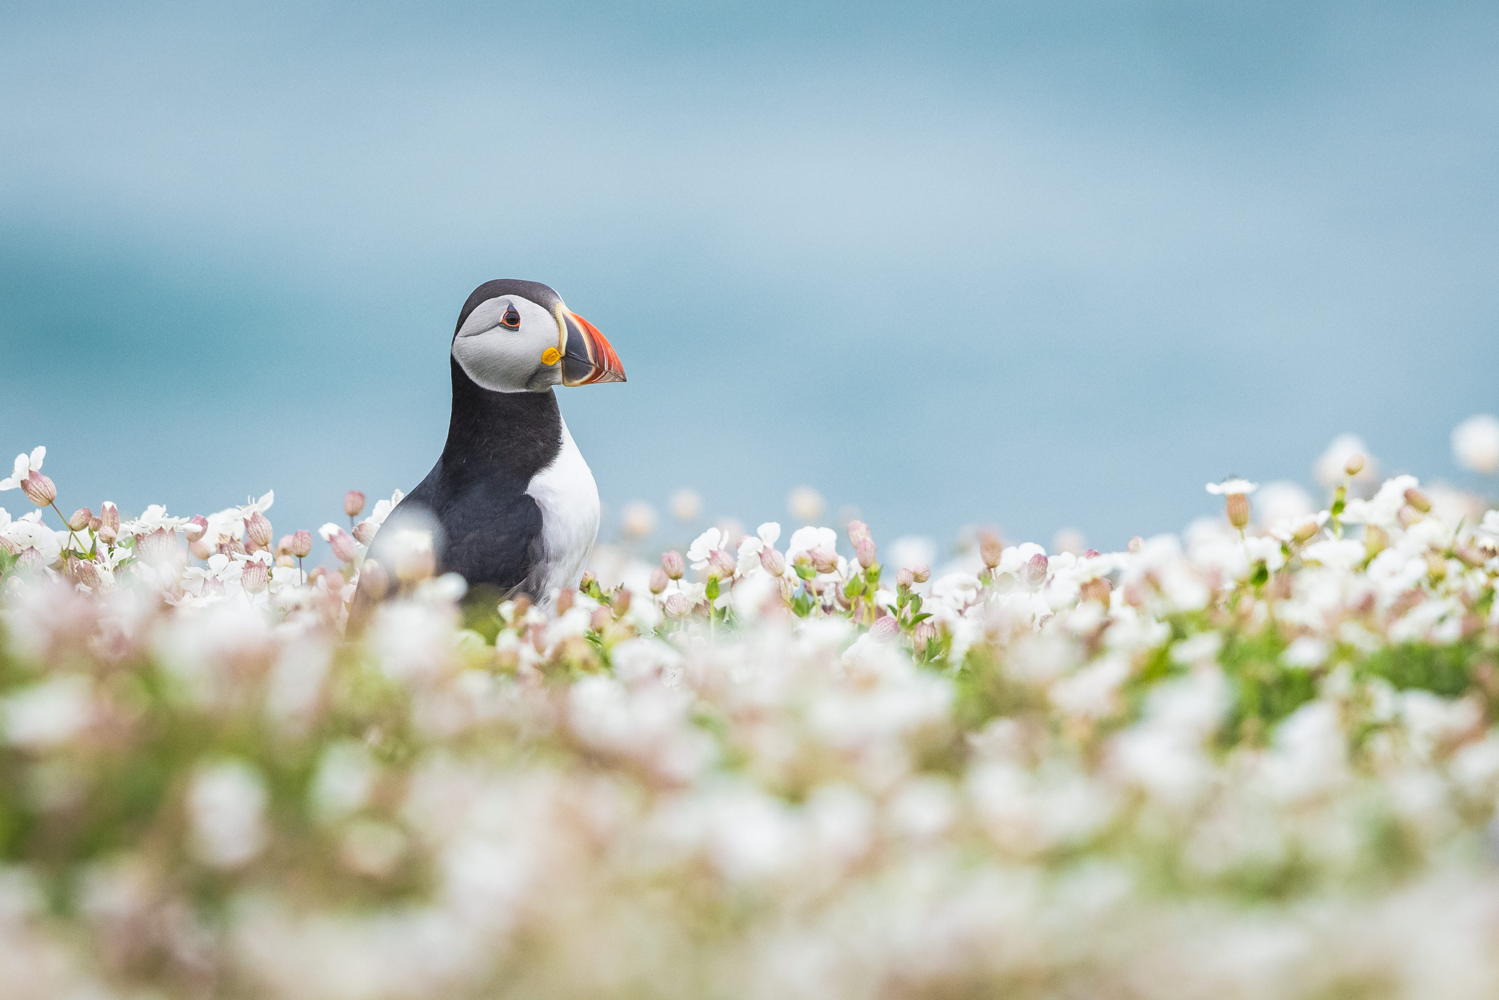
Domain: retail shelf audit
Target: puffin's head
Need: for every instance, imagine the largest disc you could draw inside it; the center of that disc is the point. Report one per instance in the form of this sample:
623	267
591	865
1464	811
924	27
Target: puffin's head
519	336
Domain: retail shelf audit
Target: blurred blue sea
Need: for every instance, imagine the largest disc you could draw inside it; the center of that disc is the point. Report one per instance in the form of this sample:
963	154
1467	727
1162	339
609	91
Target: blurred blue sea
1040	266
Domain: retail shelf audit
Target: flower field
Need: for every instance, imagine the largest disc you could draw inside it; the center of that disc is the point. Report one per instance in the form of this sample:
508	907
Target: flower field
1256	760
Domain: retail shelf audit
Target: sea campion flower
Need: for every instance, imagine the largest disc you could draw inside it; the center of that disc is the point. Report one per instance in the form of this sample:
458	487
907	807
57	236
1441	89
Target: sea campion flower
257	531
685	505
353	503
301	543
1235	493
637	519
1346	457
109	522
255	572
1475	444
27	476
703	546
991	549
806	504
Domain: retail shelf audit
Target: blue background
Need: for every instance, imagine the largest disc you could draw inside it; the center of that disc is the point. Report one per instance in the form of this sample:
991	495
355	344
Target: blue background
1034	265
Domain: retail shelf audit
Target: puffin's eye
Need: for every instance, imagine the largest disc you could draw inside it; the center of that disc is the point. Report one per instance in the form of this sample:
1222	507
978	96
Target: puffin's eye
511	319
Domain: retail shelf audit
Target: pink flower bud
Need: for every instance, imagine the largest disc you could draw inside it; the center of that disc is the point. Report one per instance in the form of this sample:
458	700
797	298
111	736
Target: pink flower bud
676	605
364	532
1236	505
283	545
904	578
1353	464
864	549
921	573
721	564
257	531
1413	496
824	561
84	573
923	634
857	530
109	521
301	544
772	561
1035	569
991	549
353	503
342	546
255	576
196	527
1306	531
80	518
884	629
658	580
674	565
39	488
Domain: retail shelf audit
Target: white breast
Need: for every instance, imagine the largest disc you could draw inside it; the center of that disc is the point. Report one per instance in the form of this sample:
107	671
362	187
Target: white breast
569	502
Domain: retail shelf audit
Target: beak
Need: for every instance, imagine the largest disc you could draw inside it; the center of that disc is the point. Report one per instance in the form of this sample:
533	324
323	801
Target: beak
587	357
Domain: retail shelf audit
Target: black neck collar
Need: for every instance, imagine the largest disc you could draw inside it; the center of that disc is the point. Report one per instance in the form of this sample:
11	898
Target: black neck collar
499	435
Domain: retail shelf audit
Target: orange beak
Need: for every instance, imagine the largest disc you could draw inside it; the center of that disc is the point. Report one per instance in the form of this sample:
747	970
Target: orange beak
587	357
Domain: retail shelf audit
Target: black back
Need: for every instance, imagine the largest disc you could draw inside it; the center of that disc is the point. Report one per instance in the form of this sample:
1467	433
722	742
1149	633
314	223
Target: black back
477	490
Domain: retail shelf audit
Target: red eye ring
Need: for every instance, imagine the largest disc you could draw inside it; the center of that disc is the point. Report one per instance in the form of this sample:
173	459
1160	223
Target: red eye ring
511	319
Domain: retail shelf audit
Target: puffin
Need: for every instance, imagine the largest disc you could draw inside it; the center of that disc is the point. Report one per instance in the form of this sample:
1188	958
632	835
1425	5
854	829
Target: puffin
513	505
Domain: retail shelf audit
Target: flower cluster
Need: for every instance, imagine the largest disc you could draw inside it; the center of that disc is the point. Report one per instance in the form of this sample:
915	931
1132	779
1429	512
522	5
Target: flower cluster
1258	759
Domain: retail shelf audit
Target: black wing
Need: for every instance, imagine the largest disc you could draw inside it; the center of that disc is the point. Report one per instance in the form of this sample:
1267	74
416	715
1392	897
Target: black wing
493	546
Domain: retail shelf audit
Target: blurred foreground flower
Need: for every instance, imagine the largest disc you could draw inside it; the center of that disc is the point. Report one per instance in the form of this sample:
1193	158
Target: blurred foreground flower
1256	760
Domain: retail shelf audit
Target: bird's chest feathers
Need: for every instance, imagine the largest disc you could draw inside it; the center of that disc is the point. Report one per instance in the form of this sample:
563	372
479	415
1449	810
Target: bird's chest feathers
569	502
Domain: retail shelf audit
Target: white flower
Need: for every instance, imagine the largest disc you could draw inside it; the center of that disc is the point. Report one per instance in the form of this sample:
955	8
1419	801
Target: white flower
1232	487
750	548
1475	444
154	518
637	519
685	505
226	809
29	532
809	538
806	504
703	547
47	714
384	507
25	465
1382	508
1331	468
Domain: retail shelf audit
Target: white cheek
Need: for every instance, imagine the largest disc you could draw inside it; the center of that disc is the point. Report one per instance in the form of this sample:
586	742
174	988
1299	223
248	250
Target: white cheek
499	361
